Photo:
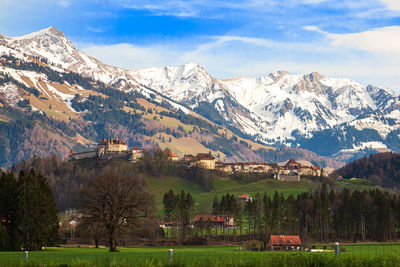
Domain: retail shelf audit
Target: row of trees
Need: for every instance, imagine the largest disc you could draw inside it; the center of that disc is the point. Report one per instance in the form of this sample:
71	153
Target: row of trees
381	169
28	213
324	215
179	208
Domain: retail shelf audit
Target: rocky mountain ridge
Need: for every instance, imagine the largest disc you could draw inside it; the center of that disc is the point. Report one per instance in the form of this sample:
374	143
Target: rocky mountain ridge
276	109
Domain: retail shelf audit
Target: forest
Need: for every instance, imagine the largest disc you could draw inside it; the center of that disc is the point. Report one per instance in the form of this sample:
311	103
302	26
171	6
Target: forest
66	177
324	215
381	169
28	214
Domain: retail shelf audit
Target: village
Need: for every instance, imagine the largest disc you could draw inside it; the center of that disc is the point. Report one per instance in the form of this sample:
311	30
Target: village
289	171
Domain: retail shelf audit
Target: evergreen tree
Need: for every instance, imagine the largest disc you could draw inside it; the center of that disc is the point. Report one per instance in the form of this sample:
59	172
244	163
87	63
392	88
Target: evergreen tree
9	238
169	201
215	206
37	212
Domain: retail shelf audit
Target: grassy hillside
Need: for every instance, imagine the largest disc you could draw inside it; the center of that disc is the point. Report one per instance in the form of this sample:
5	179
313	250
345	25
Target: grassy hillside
221	186
162	175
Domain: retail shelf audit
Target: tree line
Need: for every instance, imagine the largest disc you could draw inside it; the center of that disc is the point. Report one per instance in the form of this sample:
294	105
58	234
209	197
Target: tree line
381	169
179	209
28	213
324	215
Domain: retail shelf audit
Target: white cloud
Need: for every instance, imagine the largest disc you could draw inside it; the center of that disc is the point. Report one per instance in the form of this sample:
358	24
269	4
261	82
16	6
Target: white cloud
132	56
385	40
392	4
228	56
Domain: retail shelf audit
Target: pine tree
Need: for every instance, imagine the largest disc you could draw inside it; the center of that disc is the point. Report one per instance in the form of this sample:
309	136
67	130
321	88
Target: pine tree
37	212
215	207
9	237
169	201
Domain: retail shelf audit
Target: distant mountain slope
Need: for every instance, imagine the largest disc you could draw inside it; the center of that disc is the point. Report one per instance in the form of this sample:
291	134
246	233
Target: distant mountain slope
45	108
381	169
336	118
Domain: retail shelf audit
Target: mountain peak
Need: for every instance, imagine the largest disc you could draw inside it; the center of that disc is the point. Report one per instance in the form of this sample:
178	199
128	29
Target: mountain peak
278	74
315	76
51	31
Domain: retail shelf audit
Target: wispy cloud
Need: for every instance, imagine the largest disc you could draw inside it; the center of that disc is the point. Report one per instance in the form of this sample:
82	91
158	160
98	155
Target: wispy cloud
385	40
392	4
94	29
227	56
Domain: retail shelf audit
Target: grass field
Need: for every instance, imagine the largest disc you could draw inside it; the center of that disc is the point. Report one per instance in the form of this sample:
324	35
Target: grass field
194	256
363	249
203	199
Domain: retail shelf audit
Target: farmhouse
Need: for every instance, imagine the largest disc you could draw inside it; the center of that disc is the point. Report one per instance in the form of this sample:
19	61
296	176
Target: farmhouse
213	221
172	156
245	198
285	242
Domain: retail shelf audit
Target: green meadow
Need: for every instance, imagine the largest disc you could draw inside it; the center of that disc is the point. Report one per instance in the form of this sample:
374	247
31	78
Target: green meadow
203	198
200	256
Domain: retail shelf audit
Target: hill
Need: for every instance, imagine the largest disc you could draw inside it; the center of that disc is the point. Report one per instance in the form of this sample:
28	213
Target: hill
162	175
381	169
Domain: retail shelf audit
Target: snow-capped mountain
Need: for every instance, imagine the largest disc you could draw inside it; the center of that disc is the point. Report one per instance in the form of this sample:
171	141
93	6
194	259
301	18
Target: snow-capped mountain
279	108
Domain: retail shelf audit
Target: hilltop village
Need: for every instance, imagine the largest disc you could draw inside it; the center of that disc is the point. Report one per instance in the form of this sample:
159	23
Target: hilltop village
290	171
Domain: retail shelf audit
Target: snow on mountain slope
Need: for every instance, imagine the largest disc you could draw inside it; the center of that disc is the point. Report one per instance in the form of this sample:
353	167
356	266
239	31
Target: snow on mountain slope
192	86
304	103
276	108
52	45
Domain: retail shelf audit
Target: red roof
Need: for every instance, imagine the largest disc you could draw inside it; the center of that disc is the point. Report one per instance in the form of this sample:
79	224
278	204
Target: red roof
172	155
316	167
136	148
205	156
213	218
292	161
284	240
244	196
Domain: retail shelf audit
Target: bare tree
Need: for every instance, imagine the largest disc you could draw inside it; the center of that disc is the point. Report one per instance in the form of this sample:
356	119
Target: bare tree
116	201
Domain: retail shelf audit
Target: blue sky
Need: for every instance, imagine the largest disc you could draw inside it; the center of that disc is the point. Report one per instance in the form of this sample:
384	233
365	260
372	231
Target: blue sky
354	39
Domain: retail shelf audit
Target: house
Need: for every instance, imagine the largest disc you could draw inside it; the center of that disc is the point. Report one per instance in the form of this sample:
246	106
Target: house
292	164
188	158
213	221
245	198
172	156
137	153
285	242
306	170
223	167
204	160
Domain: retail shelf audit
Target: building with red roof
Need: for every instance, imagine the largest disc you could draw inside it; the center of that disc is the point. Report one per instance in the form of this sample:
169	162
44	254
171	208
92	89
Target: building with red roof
213	220
245	198
172	156
285	242
204	160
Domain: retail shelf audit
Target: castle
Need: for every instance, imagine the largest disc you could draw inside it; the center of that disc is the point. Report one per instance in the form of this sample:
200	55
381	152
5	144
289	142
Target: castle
110	148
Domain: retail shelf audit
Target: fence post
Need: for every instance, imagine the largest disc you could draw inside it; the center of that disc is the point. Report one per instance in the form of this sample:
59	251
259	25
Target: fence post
336	249
170	254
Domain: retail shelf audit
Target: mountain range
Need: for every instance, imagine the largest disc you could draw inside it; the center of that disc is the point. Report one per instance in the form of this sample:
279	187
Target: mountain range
266	118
